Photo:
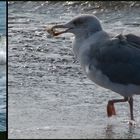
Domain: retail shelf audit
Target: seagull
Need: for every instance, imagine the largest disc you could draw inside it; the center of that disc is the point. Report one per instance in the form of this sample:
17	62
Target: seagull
110	60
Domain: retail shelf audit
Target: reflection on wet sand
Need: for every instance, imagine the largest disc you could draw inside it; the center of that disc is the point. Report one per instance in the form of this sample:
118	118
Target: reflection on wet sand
111	133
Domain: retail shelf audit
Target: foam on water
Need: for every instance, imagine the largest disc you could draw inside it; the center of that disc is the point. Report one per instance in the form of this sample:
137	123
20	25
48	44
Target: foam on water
2	50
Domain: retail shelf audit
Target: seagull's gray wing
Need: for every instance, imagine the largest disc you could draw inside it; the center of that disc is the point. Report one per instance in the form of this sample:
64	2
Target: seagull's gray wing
133	39
119	59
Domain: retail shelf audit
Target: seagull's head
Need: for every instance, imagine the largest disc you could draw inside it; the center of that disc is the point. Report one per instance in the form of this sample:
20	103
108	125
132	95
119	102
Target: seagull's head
81	25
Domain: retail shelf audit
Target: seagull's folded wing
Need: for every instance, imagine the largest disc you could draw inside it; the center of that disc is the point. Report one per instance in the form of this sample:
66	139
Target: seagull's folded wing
119	59
133	39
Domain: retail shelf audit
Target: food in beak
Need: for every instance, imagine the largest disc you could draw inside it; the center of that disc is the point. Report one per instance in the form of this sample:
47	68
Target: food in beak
54	32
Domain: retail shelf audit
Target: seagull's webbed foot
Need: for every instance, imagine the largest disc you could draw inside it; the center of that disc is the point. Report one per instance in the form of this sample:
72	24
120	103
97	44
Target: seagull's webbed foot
132	122
110	109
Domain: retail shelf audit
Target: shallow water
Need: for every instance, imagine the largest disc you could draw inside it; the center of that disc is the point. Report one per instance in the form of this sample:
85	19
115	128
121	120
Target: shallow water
2	98
49	95
2	83
2	17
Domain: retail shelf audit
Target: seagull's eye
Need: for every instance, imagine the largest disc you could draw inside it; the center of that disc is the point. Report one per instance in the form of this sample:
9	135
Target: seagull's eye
77	22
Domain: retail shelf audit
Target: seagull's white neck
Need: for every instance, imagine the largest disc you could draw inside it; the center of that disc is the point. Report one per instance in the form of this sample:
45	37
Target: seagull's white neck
78	43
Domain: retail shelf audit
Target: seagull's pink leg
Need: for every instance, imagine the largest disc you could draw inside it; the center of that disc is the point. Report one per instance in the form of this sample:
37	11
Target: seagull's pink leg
132	121
130	101
110	107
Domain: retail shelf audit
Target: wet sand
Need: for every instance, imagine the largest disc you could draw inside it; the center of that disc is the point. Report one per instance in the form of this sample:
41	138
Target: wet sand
49	95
